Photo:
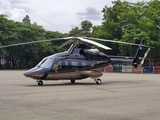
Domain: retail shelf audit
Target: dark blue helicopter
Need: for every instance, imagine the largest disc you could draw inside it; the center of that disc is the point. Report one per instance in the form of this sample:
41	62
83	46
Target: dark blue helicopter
79	62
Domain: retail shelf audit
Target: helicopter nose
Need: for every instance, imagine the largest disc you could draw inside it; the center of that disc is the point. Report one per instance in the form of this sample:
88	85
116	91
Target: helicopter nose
27	74
35	73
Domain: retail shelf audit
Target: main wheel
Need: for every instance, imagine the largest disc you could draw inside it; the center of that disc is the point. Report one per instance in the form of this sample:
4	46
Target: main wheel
98	81
40	83
73	81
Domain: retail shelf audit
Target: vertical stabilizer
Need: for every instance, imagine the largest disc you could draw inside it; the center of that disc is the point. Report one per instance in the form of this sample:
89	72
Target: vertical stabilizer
137	61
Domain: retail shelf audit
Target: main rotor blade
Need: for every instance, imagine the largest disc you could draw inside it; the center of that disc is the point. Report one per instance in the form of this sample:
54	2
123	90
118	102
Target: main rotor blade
117	42
24	43
66	43
94	43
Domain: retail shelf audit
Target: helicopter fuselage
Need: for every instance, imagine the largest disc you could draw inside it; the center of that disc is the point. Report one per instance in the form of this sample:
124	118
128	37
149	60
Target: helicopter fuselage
78	62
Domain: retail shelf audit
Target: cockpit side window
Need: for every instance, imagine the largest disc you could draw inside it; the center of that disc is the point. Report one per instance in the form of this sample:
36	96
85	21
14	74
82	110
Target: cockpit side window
47	63
40	63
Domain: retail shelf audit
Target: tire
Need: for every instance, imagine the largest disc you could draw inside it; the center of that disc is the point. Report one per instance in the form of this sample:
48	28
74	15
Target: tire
98	81
40	83
73	81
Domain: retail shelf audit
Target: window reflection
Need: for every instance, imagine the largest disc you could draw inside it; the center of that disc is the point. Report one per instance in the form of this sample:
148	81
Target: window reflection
71	64
47	63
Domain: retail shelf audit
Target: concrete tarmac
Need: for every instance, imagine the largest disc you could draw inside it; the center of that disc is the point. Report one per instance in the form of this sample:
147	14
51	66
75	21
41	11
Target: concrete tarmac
121	96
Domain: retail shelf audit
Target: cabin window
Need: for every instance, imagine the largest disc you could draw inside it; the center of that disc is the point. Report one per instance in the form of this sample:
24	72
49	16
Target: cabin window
65	65
74	65
71	64
86	64
80	64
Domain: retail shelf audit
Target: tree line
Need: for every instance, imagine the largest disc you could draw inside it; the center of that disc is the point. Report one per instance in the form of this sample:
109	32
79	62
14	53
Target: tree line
123	21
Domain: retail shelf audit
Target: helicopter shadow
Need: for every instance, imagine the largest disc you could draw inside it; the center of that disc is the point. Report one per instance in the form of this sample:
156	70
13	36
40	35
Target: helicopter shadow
125	82
87	84
66	84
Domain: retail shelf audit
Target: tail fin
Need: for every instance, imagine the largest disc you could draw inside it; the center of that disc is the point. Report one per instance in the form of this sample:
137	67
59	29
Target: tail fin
137	61
145	55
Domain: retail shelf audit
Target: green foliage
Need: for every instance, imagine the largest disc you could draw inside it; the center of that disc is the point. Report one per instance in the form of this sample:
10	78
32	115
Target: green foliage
85	30
130	22
76	32
86	27
26	20
123	21
19	32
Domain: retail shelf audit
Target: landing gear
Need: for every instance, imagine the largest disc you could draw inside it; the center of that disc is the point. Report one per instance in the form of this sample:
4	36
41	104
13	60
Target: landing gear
40	82
73	81
98	81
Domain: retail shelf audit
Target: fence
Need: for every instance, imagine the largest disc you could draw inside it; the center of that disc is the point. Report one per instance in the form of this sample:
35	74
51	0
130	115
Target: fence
130	69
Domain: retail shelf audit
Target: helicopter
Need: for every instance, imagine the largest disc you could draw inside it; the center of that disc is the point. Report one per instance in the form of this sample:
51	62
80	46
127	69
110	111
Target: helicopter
79	61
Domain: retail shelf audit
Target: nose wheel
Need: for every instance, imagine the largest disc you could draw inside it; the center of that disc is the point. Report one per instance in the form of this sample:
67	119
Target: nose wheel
98	81
40	82
72	81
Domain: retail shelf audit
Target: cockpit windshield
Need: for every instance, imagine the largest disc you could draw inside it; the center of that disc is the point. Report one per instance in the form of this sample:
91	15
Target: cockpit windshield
46	63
